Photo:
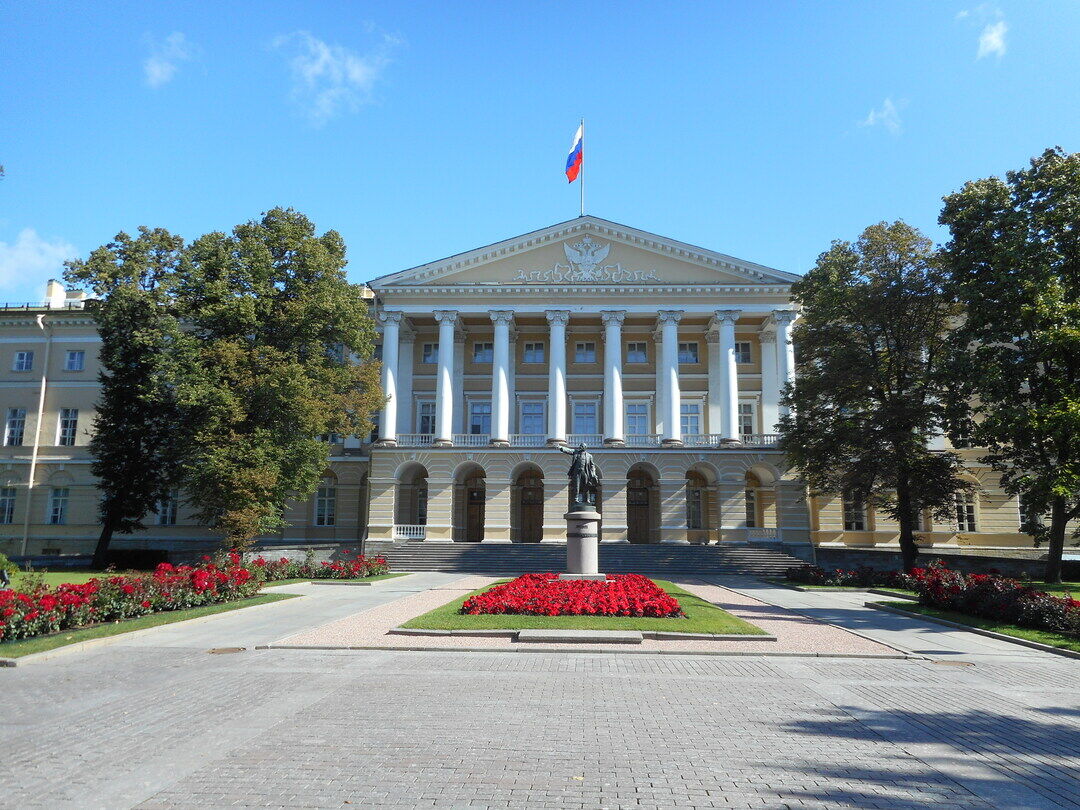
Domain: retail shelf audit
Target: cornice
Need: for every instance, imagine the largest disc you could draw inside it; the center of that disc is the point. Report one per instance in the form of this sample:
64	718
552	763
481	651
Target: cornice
548	290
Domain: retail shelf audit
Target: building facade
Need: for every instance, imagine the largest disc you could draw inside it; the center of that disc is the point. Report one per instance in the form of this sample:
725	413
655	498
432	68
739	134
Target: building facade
666	360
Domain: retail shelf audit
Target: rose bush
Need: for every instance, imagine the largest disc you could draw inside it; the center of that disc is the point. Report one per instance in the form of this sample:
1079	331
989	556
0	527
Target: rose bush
861	577
547	595
353	565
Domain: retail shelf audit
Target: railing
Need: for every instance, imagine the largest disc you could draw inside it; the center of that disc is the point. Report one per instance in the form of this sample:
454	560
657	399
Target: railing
760	439
764	535
701	439
528	440
588	439
42	305
471	439
405	531
643	440
415	439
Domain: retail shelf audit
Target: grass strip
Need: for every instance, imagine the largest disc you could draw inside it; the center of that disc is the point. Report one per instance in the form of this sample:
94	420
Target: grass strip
701	617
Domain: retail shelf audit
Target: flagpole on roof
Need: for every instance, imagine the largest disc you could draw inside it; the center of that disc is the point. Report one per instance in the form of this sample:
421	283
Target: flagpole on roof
582	167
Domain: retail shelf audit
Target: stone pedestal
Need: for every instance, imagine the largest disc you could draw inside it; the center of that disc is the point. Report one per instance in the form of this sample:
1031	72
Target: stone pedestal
582	544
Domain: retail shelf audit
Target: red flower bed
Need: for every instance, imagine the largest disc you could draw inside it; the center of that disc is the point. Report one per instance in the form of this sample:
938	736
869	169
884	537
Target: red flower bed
547	595
353	565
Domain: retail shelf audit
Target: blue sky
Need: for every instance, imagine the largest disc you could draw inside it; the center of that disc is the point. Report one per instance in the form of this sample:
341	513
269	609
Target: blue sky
418	130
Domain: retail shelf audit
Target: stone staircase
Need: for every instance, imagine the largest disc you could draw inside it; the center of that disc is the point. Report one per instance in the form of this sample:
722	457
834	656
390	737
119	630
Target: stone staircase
519	558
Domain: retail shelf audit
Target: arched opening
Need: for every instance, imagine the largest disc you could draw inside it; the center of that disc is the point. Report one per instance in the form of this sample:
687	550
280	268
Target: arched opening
470	493
752	517
762	518
527	506
410	505
642	505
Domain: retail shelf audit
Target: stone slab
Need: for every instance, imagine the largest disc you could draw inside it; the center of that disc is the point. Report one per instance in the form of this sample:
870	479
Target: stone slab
592	577
580	636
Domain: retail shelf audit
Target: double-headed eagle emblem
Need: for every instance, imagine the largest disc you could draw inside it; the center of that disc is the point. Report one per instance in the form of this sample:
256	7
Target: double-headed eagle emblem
586	255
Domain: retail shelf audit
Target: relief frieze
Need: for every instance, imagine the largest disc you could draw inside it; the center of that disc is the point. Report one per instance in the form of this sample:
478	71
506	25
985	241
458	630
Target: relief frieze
585	265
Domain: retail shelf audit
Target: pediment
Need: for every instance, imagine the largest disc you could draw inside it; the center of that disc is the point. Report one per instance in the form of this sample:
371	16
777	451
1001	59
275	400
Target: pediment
588	251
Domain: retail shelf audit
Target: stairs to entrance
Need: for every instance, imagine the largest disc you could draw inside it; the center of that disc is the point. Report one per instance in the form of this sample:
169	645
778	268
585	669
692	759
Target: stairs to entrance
520	558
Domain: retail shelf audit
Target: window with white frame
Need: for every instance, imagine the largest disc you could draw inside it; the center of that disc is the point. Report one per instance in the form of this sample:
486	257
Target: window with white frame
532	417
637	352
58	503
965	512
747	420
14	427
585	352
24	361
483	352
690	418
585	417
533	353
67	426
742	353
854	512
7	505
751	508
688	353
429	353
637	418
479	417
425	417
75	361
326	503
166	509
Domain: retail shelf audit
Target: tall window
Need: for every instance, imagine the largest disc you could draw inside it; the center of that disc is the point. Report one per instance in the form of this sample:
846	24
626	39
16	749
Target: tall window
742	353
585	352
75	361
695	516
637	418
24	361
421	506
1029	517
429	353
479	418
166	509
326	503
688	353
67	426
965	511
483	352
14	427
746	418
58	502
751	508
533	353
532	418
854	513
584	417
636	353
425	418
7	505
690	418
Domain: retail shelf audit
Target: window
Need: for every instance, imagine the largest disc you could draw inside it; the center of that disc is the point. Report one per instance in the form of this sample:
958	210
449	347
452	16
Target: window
14	427
377	353
534	353
532	418
332	438
421	506
326	503
67	426
376	420
75	361
24	361
166	510
688	353
961	436
585	352
483	352
584	417
695	518
636	353
479	418
746	418
854	513
690	418
742	353
7	505
58	500
751	508
1029	517
637	418
429	353
965	511
425	418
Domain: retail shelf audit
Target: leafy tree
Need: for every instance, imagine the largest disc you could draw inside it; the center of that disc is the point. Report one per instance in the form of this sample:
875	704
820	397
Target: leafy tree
135	448
869	343
1014	260
277	325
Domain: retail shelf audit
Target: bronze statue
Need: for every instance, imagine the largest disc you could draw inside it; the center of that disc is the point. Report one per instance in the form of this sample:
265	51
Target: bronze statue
584	477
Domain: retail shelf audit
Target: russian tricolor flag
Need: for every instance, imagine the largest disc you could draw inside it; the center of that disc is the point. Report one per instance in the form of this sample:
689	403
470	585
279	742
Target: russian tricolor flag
573	162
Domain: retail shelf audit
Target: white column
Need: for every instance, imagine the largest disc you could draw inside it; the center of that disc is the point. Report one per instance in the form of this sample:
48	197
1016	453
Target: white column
500	379
406	403
770	383
785	350
669	324
613	388
727	375
557	318
444	382
388	418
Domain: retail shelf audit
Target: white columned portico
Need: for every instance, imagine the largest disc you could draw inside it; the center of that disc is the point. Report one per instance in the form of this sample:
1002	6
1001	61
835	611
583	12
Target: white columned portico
727	374
557	320
770	382
444	382
669	326
785	349
500	378
613	386
388	418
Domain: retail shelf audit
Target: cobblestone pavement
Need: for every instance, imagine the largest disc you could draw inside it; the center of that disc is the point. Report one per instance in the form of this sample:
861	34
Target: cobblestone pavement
170	726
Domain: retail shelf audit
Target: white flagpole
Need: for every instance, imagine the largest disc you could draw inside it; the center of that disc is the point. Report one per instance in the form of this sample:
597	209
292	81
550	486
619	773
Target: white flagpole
582	167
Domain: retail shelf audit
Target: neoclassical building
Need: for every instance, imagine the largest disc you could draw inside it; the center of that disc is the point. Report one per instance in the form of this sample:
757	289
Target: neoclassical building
666	360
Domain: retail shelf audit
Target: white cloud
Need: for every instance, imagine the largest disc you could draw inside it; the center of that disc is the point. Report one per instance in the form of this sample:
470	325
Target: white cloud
165	57
31	256
887	116
992	39
331	79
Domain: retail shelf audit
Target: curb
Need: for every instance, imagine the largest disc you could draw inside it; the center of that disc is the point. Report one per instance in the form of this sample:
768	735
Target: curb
600	636
531	648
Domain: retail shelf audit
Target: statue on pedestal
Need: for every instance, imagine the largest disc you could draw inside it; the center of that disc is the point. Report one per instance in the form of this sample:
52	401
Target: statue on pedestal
584	477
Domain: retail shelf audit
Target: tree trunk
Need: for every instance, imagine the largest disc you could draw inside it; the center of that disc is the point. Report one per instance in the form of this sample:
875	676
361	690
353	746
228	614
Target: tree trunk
908	550
1058	521
101	550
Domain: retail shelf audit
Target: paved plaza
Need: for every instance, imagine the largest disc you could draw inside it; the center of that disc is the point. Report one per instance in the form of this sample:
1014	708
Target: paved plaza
154	721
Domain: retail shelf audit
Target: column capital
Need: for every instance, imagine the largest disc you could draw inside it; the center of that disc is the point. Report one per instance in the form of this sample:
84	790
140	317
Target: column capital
724	315
613	316
501	316
783	316
767	336
393	316
669	315
561	316
445	315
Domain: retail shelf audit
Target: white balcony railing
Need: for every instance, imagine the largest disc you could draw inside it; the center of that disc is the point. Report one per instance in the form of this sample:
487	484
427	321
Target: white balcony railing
528	440
760	439
764	535
644	440
588	439
471	439
405	531
415	439
701	439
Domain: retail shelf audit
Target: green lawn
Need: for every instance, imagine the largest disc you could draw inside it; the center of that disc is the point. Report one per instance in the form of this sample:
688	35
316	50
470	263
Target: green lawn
376	578
54	578
1042	636
701	617
16	649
